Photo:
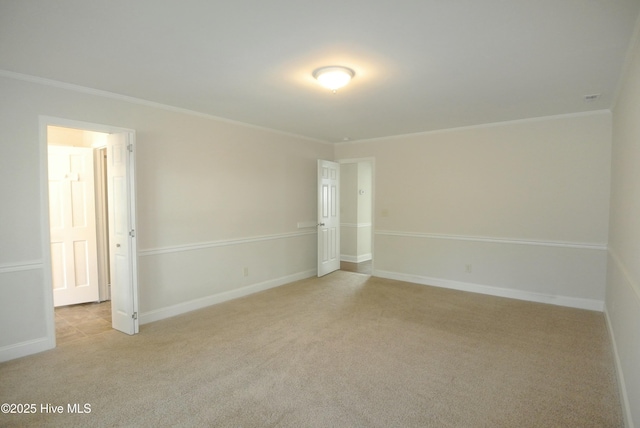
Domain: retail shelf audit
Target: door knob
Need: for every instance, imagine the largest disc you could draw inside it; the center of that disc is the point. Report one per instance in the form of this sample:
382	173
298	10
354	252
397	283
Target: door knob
320	224
118	245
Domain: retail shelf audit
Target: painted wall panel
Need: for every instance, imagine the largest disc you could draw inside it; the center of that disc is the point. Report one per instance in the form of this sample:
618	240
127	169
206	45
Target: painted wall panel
181	275
22	314
544	180
623	281
552	271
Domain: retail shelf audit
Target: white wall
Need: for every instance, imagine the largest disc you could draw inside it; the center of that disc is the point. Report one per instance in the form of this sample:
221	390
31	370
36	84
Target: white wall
518	209
214	197
623	279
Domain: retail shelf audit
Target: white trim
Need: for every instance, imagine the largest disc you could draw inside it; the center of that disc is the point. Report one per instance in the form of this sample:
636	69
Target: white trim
133	224
572	302
102	221
220	243
478	126
78	124
355	259
22	349
203	302
140	101
17	267
45	235
622	387
579	245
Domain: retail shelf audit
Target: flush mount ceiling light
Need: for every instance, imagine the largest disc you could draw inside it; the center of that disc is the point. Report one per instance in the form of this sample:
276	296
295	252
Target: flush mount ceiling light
333	77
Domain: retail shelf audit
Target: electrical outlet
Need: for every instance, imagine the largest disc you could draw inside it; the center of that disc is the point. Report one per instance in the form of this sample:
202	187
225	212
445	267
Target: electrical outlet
467	268
246	271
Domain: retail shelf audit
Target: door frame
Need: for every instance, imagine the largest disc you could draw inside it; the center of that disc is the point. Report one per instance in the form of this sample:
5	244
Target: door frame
44	122
372	161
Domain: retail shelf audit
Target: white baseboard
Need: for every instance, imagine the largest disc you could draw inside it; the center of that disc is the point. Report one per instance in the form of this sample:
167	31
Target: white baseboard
622	387
192	305
572	302
355	259
23	349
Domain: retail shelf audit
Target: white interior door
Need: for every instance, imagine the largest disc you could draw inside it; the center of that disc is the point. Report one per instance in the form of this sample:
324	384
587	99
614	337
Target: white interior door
328	217
72	225
122	243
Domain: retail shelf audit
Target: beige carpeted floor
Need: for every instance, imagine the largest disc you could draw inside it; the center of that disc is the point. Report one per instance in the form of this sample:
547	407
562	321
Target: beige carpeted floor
345	350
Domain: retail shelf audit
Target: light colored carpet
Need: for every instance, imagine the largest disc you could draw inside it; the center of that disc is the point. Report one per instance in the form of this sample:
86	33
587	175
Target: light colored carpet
344	350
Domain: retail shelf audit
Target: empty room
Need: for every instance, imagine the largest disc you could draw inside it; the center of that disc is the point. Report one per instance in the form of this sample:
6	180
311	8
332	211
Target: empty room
312	214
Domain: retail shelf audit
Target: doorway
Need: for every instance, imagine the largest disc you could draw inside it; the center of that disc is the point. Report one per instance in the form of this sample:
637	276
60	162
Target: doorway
89	173
356	213
78	229
77	211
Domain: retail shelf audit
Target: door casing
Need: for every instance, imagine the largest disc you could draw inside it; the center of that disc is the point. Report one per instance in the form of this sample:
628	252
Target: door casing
44	122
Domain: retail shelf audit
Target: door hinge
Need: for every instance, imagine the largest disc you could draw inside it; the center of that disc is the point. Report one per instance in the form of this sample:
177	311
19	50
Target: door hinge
130	148
134	315
132	233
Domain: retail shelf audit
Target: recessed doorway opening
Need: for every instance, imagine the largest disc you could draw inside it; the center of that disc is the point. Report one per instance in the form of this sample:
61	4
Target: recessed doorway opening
356	215
78	229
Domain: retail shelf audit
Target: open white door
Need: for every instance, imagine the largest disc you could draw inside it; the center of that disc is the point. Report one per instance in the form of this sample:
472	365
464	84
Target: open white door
73	225
328	217
122	241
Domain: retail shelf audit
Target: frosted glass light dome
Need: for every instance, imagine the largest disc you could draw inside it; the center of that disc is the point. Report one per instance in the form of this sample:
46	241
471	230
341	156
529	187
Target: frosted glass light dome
333	77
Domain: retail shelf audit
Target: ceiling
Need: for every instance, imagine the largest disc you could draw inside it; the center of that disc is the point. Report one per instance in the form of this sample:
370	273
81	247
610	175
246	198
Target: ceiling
420	65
